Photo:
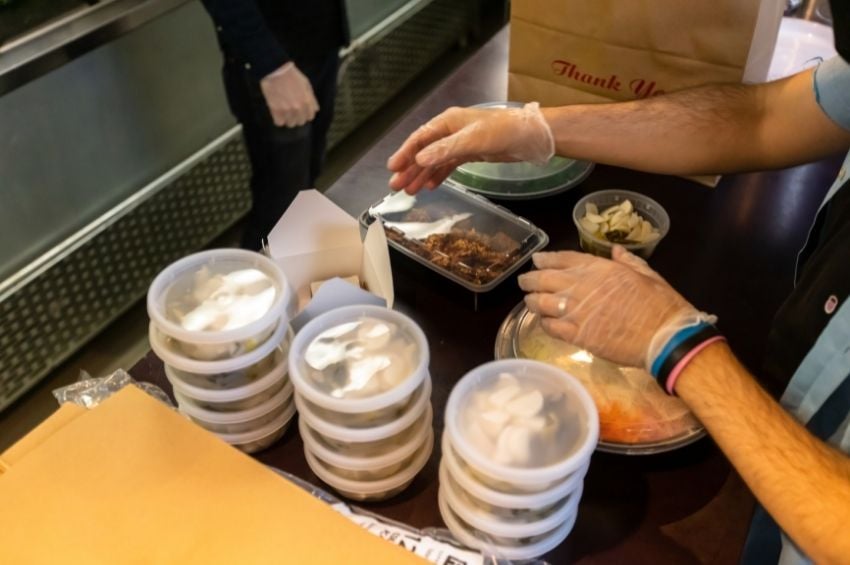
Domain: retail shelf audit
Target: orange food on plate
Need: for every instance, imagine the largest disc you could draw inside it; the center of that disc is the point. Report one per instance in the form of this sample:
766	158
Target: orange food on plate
633	410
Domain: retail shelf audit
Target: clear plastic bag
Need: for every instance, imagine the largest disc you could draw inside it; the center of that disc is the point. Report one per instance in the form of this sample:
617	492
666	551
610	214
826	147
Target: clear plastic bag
436	545
89	391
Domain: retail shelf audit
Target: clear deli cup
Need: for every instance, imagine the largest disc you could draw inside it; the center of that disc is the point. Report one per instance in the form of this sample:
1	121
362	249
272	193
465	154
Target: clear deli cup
499	502
372	468
219	303
504	547
241	421
369	419
226	401
336	433
523	423
234	399
359	359
263	437
373	490
647	208
374	448
224	374
526	525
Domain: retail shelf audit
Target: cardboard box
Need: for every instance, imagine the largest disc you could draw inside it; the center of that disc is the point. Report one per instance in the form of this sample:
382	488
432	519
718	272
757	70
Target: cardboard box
316	240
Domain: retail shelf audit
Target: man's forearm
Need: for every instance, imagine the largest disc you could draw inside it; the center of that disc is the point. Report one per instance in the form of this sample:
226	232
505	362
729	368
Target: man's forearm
704	130
802	482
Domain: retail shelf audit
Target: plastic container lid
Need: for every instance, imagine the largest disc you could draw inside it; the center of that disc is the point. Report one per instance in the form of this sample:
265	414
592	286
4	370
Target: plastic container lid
472	241
360	435
306	386
280	398
646	207
178	278
255	435
158	343
528	551
636	417
400	453
573	451
373	488
521	180
488	523
505	500
228	395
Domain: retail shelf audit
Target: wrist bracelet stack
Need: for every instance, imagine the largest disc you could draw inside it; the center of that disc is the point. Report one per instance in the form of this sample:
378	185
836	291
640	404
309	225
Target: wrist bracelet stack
680	350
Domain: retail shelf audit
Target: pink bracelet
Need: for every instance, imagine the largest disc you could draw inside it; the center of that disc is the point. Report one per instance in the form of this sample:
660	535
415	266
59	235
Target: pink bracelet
680	366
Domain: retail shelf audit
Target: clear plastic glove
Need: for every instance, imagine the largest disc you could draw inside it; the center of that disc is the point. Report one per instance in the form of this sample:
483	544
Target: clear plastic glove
619	309
289	96
461	135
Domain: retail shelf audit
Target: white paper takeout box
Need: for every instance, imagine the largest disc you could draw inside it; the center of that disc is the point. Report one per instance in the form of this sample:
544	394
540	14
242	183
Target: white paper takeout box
317	240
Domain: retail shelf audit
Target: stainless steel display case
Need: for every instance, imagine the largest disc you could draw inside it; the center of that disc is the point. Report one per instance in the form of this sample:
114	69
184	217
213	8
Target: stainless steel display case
118	155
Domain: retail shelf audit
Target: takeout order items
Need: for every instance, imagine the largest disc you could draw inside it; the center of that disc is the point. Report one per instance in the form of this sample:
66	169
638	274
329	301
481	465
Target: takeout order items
316	240
219	323
618	224
464	237
518	439
219	319
363	390
620	217
218	304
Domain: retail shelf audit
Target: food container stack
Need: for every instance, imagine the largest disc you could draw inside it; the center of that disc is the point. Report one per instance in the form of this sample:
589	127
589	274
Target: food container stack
517	444
364	397
218	323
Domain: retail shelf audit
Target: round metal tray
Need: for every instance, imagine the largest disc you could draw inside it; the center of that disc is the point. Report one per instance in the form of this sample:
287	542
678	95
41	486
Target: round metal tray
520	181
508	345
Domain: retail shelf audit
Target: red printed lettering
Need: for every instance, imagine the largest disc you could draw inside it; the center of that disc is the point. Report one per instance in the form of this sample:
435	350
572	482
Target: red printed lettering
561	67
640	88
643	89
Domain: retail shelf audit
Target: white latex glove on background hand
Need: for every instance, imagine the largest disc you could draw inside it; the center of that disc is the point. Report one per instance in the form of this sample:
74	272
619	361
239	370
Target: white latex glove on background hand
461	135
619	309
289	96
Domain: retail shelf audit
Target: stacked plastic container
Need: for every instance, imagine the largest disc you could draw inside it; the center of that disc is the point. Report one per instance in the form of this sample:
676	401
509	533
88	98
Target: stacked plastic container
218	323
364	398
517	444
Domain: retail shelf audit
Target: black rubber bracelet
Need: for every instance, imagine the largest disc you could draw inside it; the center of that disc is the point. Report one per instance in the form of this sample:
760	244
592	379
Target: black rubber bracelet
681	351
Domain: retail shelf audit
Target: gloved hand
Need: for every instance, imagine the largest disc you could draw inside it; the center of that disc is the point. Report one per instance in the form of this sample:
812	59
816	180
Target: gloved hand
461	135
618	309
289	96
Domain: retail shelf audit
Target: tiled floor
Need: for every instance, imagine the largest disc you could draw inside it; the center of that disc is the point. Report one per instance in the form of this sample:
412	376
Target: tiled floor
125	341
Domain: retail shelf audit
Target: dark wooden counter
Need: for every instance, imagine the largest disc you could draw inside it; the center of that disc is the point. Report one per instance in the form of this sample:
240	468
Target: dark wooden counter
730	250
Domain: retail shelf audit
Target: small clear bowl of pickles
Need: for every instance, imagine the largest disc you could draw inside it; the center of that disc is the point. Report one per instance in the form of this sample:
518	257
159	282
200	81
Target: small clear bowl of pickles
610	217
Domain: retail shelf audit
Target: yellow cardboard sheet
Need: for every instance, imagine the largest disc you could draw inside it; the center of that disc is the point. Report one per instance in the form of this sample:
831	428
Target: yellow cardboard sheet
134	482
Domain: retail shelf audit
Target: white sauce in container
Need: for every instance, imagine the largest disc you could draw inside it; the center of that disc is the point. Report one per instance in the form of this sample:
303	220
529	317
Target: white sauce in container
361	359
221	301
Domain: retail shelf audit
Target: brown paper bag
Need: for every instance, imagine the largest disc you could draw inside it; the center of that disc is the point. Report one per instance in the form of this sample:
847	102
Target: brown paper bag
586	51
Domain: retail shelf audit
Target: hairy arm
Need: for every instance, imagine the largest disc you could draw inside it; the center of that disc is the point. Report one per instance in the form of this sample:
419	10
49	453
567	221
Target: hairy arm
703	130
803	483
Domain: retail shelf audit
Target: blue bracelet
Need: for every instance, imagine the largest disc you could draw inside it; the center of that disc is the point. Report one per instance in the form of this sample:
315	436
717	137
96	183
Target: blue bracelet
678	338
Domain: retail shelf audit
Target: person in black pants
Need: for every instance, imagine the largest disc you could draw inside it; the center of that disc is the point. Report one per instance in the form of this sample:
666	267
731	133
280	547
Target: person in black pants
280	67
